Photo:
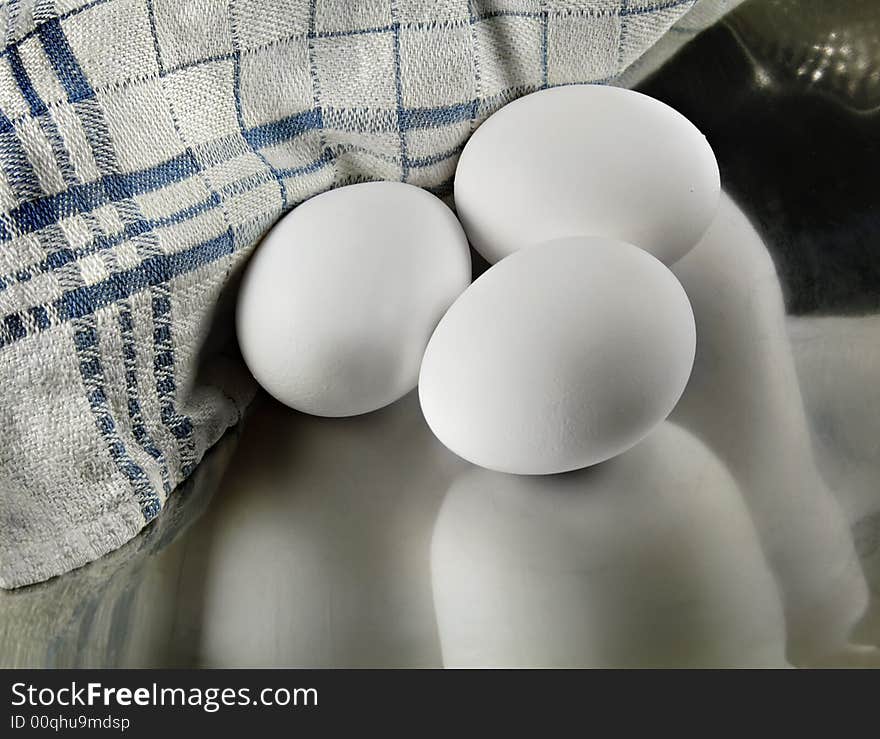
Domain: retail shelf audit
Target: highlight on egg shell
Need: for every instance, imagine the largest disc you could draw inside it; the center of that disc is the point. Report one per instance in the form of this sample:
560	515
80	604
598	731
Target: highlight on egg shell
339	301
588	160
560	356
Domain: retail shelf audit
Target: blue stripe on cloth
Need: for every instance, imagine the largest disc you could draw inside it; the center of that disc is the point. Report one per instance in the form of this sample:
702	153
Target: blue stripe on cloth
63	61
14	160
109	188
34	215
157	51
19	174
5	123
13	11
130	230
652	7
236	93
86	342
113	186
14	326
398	91
33	31
276	132
39	316
59	149
153	270
91	116
130	213
545	22
441	116
327	157
135	412
23	80
43	10
351	32
315	80
472	118
436	158
181	426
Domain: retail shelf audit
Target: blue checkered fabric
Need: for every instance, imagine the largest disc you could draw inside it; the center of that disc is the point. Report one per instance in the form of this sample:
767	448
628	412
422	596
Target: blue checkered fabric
145	147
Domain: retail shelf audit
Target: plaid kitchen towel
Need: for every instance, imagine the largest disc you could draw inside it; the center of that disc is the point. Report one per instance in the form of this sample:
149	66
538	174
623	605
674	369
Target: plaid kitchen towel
146	145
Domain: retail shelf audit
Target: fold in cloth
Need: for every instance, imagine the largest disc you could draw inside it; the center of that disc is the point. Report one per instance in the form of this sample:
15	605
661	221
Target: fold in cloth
145	147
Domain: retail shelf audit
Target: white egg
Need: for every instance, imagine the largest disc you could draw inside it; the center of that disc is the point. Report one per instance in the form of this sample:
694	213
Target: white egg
558	357
340	298
586	160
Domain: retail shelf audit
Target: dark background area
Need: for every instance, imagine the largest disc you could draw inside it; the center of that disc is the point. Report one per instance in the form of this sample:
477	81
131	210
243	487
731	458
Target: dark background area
788	94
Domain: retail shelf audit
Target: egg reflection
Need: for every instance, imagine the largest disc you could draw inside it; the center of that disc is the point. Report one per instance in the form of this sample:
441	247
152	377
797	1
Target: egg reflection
647	560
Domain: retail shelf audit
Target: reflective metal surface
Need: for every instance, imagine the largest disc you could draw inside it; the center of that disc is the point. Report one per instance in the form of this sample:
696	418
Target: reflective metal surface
743	532
797	137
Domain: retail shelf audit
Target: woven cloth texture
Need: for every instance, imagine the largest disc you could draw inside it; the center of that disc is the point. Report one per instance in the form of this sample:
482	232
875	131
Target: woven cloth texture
145	147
